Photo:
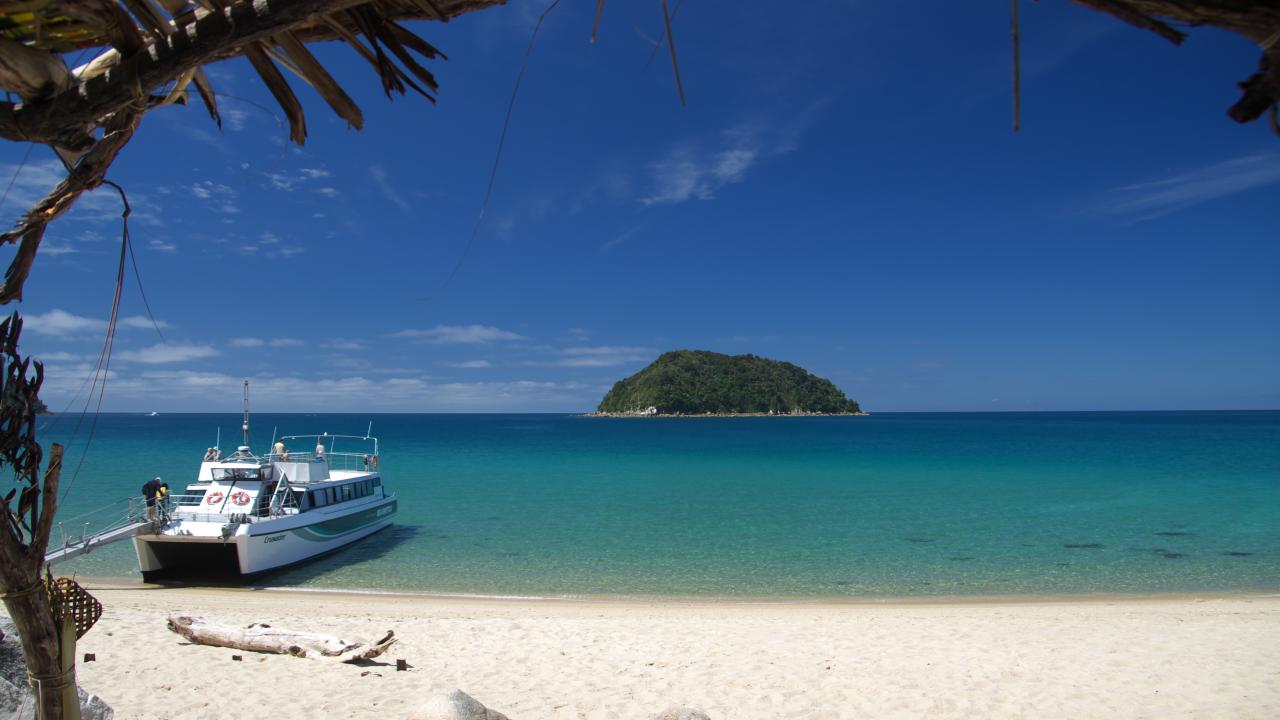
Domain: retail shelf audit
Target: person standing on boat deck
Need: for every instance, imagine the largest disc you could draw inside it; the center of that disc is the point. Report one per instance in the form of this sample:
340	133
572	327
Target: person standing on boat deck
320	450
281	451
149	492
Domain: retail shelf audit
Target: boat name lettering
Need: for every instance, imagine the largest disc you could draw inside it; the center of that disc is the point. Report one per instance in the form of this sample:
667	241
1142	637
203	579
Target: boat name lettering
384	511
273	538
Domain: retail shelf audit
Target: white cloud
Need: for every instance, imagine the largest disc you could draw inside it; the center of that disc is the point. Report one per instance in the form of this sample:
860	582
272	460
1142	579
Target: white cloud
140	321
168	353
33	181
186	390
389	192
287	182
1160	197
604	356
60	323
458	334
253	342
162	246
343	344
468	364
61	357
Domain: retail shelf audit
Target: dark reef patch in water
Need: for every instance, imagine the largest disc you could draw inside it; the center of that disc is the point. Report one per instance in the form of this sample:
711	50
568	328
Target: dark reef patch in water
918	540
1083	546
1176	533
1168	554
961	558
1236	553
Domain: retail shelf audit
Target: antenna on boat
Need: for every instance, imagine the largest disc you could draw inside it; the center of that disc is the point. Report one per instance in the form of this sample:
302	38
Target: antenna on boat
218	442
245	426
369	432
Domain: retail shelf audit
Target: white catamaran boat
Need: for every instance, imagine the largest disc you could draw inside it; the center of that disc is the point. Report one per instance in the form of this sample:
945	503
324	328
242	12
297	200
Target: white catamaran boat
248	513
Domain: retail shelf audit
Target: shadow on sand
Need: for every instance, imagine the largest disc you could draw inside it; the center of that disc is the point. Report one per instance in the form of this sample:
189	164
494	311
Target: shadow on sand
367	549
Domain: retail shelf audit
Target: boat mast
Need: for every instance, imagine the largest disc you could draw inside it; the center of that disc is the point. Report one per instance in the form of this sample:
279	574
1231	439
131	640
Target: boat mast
245	426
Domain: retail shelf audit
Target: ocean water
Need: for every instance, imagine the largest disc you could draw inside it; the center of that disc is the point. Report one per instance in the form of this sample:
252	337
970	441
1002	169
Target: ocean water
896	504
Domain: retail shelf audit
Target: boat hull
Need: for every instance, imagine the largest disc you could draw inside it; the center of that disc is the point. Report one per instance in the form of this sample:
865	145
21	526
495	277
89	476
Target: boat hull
259	547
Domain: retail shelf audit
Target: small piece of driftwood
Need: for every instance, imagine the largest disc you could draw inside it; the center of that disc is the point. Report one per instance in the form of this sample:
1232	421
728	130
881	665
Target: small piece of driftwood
260	637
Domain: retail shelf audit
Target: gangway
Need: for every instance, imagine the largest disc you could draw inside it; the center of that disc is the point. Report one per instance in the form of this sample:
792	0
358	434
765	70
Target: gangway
132	522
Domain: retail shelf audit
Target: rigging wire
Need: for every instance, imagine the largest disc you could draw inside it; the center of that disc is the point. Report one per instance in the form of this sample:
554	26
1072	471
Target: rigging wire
661	38
497	158
22	165
103	370
138	277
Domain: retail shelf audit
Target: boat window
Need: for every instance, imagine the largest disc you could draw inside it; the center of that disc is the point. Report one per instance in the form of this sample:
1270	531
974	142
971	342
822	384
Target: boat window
297	498
346	492
376	481
318	499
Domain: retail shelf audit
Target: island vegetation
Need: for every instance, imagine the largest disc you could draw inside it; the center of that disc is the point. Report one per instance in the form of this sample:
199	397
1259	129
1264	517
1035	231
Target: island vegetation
699	382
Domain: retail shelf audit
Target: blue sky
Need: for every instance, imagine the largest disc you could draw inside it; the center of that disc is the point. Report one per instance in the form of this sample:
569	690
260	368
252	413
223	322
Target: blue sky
843	191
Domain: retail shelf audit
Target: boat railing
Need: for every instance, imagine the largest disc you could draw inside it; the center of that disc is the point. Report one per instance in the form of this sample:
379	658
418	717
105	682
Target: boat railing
336	460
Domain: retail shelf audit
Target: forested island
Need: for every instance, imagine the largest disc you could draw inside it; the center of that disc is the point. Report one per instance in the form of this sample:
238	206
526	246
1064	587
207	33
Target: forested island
699	382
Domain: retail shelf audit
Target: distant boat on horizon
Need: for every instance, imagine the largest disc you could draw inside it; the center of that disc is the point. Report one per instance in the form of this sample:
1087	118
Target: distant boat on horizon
153	414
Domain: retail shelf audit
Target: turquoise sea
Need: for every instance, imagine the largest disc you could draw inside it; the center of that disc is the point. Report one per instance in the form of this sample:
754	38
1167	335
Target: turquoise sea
896	504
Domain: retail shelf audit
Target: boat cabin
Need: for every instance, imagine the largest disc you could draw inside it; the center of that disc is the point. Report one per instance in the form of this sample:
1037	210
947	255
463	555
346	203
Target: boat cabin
249	487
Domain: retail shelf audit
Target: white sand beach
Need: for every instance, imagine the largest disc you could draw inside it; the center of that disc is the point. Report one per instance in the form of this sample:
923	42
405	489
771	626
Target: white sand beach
1157	657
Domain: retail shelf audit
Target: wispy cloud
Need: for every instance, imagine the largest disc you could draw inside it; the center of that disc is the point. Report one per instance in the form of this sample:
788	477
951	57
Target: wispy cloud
60	323
254	342
343	344
289	181
180	389
1161	197
458	334
469	364
603	356
168	353
389	192
34	180
689	173
140	321
216	196
162	246
696	171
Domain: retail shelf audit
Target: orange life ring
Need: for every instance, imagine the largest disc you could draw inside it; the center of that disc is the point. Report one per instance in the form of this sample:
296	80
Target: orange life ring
213	498
240	497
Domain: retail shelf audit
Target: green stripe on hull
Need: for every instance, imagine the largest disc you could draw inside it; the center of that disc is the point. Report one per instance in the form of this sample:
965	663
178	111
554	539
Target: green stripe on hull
337	527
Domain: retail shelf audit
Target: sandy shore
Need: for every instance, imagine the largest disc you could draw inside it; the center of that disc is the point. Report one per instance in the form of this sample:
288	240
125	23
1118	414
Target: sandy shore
1163	657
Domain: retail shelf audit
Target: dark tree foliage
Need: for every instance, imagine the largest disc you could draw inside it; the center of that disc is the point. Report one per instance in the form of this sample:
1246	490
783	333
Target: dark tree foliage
694	382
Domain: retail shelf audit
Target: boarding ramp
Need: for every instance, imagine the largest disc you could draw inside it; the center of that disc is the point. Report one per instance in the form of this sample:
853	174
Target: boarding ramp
120	519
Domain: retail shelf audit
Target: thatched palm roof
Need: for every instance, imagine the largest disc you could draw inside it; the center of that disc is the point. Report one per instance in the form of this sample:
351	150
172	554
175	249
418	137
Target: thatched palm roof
153	53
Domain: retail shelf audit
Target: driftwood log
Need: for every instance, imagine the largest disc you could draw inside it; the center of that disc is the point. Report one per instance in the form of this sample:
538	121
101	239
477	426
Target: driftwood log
260	637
